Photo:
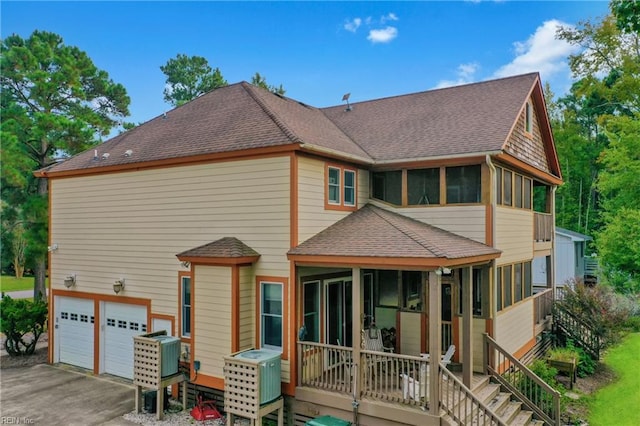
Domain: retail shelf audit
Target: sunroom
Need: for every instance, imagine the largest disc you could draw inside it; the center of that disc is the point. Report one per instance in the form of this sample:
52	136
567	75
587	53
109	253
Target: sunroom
378	295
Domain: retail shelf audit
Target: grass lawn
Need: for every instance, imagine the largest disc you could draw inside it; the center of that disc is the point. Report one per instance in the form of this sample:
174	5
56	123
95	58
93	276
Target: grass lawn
11	283
618	402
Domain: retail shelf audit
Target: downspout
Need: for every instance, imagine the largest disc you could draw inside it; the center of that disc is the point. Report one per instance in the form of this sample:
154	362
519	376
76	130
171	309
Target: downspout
494	268
553	242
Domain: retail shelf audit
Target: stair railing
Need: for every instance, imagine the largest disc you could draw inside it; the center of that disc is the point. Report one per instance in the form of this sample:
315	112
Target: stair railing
461	404
577	329
524	384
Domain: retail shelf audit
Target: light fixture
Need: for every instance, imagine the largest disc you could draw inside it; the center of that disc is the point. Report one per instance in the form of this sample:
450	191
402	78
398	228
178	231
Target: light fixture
52	247
70	281
443	271
118	286
185	264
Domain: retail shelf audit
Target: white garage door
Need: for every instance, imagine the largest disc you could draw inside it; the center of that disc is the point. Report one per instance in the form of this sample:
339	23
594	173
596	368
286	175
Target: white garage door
74	325
122	322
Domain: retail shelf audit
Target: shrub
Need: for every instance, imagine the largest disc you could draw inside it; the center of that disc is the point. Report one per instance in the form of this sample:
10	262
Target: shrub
546	373
586	364
22	322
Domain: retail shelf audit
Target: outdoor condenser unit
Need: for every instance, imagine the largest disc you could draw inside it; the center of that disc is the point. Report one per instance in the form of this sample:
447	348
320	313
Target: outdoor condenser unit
269	370
170	350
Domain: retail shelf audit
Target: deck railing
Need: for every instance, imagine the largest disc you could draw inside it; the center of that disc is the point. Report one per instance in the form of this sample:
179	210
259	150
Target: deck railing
461	404
543	305
525	385
543	226
395	378
326	366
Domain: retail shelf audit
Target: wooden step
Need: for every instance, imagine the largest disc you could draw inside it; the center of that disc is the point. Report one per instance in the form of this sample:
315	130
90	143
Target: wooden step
523	418
509	411
487	392
498	402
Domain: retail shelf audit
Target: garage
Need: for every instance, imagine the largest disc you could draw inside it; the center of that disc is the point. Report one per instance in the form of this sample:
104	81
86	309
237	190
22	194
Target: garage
75	330
121	322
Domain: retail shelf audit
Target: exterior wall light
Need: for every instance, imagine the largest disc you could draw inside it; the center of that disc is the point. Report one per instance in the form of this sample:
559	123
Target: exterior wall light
70	281
118	286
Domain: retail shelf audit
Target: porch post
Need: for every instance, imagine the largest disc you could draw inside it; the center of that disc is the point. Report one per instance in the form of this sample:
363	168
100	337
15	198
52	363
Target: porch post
435	338
467	326
356	327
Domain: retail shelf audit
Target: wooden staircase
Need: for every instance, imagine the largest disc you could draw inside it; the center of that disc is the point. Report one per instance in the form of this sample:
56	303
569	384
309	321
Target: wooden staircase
581	333
504	405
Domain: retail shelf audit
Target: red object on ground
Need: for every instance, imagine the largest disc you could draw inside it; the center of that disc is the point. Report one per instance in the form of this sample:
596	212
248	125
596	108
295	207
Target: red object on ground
205	410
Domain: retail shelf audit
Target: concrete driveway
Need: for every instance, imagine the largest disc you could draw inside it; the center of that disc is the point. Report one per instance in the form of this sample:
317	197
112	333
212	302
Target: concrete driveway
44	394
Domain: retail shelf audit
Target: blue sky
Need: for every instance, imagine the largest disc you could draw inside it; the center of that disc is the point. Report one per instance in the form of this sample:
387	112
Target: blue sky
317	50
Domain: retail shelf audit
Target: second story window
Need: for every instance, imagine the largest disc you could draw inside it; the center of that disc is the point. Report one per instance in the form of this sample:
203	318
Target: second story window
341	188
423	186
387	186
464	184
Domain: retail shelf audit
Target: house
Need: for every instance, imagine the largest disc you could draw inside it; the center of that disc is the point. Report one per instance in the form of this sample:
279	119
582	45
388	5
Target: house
236	219
570	260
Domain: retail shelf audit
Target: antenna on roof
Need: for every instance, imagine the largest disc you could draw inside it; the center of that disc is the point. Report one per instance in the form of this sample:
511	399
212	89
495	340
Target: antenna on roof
346	98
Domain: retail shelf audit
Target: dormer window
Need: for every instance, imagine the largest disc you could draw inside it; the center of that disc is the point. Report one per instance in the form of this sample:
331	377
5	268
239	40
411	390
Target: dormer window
340	188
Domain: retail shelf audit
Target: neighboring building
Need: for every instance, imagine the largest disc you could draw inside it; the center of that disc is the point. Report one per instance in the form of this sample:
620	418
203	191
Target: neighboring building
236	218
570	249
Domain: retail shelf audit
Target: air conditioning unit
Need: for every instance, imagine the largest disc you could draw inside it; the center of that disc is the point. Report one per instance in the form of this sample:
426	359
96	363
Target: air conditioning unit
170	354
269	369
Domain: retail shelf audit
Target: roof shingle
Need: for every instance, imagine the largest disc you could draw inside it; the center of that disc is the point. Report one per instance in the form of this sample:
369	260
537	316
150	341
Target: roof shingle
227	247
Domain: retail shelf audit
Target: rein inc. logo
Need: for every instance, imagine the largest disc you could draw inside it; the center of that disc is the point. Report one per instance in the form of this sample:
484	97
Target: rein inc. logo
16	420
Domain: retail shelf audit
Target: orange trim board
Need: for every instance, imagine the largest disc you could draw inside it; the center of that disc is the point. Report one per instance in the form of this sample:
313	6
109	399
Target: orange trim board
219	261
235	309
366	261
517	354
172	162
512	161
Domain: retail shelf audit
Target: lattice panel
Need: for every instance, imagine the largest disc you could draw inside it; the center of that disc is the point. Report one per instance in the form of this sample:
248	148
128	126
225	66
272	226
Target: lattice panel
241	388
146	361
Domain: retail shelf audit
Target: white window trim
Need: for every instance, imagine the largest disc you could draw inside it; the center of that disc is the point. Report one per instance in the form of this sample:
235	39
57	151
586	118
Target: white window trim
338	185
344	187
262	315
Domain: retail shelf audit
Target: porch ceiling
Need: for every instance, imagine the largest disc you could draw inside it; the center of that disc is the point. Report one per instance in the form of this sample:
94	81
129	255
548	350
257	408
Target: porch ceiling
373	235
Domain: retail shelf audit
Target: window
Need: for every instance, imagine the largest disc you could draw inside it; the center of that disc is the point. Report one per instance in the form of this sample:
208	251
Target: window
517	190
476	296
185	306
341	188
387	186
423	186
499	295
517	281
412	290
349	188
528	118
528	280
508	291
312	310
388	288
271	315
506	191
526	193
334	185
463	184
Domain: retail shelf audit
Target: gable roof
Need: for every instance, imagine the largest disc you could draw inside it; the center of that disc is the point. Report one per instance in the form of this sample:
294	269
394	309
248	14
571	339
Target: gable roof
373	233
227	250
474	119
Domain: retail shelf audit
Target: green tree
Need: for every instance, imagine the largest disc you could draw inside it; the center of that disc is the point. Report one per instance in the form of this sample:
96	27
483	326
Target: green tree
55	102
627	13
189	77
260	81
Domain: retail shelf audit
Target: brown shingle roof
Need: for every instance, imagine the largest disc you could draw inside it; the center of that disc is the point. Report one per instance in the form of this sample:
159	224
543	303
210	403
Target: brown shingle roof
471	119
474	118
375	232
227	247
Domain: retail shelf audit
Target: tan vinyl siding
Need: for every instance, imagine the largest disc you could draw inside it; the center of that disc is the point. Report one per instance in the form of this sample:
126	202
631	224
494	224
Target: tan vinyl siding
477	336
312	215
514	234
468	221
131	224
212	318
514	326
247	326
410	342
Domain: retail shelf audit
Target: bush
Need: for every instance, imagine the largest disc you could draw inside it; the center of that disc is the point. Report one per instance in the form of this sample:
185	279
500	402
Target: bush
546	373
22	322
586	364
633	324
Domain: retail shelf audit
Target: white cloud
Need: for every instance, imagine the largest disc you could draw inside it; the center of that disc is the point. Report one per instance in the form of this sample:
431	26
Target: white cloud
388	17
353	25
382	36
541	52
465	72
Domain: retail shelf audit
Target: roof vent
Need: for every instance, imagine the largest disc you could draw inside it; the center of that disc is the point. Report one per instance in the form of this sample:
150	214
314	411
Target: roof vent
128	153
105	155
346	98
164	115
